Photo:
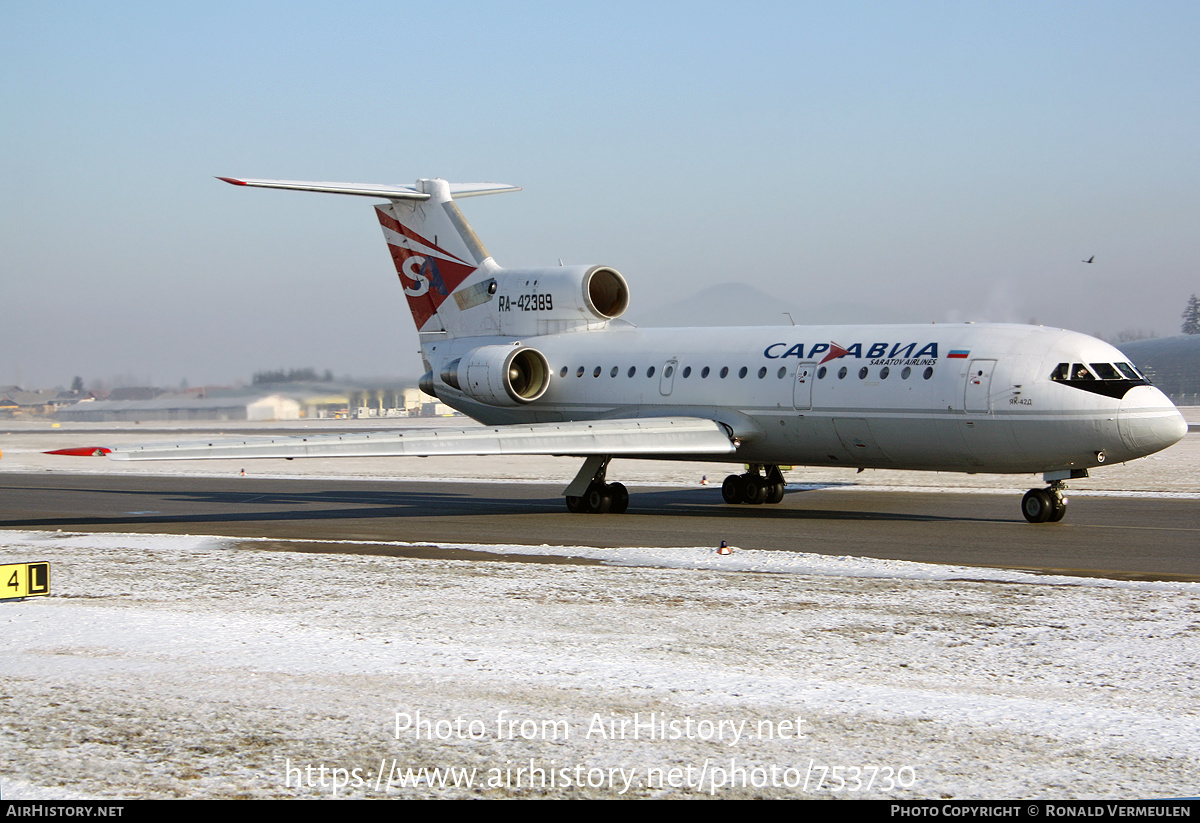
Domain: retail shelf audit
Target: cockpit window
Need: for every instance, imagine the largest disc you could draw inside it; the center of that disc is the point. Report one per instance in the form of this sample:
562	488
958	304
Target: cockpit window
1065	372
1106	371
1108	379
1129	371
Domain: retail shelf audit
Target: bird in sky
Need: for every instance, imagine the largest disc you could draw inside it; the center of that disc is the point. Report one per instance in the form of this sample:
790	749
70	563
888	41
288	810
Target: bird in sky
1090	259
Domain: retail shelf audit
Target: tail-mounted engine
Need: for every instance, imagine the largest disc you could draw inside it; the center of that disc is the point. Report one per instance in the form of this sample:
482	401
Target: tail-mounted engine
527	303
499	375
544	301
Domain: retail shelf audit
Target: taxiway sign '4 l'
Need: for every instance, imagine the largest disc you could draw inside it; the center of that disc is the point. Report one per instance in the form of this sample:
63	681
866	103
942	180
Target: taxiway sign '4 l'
542	358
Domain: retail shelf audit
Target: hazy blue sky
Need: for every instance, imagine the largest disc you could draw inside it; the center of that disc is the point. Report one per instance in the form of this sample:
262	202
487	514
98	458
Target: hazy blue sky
936	161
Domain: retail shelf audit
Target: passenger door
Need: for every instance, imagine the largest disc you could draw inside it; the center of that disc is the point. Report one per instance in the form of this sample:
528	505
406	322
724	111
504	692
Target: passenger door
978	396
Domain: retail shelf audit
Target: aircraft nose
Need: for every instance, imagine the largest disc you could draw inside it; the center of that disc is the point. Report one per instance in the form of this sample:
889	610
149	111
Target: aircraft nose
1149	422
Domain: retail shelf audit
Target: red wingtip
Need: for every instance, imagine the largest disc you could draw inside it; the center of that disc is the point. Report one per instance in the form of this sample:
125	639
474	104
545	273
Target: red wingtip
233	180
82	451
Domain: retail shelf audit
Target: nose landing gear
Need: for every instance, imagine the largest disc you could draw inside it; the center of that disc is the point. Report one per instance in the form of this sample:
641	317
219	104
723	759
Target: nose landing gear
1044	505
1048	505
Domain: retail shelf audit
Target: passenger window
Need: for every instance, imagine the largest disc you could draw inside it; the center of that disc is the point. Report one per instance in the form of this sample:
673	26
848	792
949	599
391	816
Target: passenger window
632	371
928	372
905	374
862	373
821	372
724	372
613	373
563	373
687	371
762	372
650	372
782	372
842	373
884	372
742	373
704	372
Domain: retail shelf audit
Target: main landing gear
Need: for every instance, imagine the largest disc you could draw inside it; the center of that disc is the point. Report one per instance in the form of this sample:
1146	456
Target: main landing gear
601	498
754	487
589	493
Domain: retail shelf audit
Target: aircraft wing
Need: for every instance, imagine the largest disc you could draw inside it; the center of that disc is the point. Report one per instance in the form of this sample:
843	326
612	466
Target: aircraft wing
650	437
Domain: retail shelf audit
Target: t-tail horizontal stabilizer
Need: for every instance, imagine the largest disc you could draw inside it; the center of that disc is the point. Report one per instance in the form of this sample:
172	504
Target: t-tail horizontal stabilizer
434	249
386	190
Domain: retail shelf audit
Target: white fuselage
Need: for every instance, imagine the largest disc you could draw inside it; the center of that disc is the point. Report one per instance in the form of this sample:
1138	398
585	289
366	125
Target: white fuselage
956	397
546	345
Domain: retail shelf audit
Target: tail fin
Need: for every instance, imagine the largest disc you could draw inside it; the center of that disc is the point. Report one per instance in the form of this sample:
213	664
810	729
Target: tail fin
435	251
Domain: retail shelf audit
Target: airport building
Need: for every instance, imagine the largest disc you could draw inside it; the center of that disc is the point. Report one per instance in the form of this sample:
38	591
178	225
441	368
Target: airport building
16	402
283	402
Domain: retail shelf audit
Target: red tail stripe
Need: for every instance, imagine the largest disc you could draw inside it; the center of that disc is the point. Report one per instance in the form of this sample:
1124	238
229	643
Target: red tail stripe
389	222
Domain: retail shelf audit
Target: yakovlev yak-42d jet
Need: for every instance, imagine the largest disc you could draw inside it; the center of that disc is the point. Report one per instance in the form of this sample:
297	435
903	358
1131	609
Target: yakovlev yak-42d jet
541	358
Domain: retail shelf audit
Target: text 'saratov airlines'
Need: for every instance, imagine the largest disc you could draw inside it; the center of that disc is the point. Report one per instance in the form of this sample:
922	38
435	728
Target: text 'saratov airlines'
725	770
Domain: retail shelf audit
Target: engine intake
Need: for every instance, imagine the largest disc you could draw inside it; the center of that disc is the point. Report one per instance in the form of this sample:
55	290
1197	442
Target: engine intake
500	375
605	292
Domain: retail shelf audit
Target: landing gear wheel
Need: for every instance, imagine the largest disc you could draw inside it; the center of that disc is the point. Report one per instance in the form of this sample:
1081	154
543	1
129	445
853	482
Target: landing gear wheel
575	505
620	497
754	489
599	501
733	489
1058	508
775	493
1038	506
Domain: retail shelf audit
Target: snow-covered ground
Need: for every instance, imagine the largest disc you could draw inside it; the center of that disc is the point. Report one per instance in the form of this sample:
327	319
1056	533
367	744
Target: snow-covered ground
177	666
174	666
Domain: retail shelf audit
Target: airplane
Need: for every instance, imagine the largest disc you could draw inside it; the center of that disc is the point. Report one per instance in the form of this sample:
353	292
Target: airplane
542	358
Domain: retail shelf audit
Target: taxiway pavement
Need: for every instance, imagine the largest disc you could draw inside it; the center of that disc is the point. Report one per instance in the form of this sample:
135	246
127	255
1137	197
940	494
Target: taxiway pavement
1140	537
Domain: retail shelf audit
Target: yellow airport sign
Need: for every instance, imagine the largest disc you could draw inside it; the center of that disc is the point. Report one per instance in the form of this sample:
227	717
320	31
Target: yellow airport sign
24	580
